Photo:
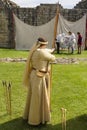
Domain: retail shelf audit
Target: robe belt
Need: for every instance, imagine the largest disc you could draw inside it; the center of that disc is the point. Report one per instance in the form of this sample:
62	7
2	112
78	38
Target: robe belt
40	70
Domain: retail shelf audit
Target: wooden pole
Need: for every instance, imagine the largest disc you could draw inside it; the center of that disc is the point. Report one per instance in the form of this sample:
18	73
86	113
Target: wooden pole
53	46
7	94
86	35
63	118
50	84
56	25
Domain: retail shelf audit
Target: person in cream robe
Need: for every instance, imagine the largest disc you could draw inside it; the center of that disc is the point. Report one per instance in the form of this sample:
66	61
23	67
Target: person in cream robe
37	79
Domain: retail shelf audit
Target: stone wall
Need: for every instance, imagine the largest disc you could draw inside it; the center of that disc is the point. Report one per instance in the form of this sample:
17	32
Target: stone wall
3	28
36	16
45	12
73	14
6	24
81	5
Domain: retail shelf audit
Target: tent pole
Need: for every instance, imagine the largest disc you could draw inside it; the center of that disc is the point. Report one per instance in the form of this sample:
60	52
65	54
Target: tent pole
56	25
86	35
53	46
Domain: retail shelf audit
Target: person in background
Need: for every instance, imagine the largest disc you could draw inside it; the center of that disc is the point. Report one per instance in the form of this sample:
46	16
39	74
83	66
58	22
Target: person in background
79	42
37	79
59	40
71	42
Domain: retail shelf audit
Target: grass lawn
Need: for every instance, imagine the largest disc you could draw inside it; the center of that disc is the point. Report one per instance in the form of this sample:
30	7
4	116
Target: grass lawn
69	90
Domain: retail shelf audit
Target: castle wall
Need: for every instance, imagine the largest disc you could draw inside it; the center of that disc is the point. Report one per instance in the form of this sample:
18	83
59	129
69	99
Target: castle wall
3	28
45	12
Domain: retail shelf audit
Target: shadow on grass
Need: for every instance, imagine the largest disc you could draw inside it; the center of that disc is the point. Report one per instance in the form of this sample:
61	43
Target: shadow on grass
77	123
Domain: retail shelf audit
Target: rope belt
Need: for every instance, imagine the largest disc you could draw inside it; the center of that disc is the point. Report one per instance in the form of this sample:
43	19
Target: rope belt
40	70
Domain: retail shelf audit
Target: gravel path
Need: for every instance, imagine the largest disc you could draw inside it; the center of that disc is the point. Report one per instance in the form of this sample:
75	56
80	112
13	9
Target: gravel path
58	60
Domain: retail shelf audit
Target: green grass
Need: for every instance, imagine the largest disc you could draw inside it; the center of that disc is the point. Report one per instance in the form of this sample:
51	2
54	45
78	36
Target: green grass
69	90
12	53
23	54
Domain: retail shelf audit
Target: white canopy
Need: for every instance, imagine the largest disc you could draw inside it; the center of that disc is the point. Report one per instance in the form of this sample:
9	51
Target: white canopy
27	35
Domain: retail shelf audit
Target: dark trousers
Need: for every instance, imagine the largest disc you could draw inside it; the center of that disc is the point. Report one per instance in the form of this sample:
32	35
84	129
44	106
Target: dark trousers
79	49
58	47
72	49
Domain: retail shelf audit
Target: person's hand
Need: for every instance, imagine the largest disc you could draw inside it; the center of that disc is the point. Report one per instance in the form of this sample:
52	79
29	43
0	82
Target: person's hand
52	50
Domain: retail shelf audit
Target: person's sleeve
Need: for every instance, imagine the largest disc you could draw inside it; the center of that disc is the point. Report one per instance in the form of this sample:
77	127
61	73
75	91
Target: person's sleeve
46	55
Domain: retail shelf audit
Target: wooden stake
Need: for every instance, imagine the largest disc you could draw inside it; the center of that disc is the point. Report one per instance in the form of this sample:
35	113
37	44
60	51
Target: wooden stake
7	94
50	85
63	118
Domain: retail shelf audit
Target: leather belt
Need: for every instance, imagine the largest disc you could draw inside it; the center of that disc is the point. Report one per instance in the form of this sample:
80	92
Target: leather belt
40	70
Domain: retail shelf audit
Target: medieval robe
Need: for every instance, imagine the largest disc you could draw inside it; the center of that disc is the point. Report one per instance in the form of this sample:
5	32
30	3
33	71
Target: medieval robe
37	108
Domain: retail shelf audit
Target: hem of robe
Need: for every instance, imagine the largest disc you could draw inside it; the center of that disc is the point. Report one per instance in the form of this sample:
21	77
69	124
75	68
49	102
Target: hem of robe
45	122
